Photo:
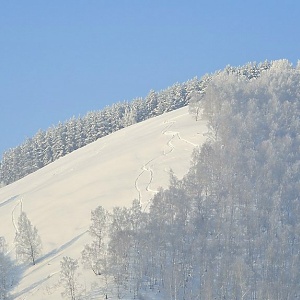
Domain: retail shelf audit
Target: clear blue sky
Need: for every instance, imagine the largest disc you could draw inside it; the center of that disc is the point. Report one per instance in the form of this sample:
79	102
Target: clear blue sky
60	58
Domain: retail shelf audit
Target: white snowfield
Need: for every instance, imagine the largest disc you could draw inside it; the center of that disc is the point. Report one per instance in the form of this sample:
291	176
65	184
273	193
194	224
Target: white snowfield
129	164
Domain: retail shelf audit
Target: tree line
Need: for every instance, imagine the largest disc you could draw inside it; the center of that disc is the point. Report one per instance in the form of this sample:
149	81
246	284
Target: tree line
49	145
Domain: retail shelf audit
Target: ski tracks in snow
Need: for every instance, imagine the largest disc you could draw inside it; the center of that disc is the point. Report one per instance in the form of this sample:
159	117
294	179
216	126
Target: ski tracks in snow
147	167
20	203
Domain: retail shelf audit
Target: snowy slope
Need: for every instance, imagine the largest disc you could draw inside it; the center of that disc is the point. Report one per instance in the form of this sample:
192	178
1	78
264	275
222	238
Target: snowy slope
128	164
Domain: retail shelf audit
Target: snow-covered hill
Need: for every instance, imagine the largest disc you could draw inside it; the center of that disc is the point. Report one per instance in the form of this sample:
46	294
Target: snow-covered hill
129	164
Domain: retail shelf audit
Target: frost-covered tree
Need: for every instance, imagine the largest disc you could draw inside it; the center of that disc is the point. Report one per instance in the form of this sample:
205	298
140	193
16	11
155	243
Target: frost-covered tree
94	255
68	278
7	271
5	276
28	242
195	103
120	242
98	227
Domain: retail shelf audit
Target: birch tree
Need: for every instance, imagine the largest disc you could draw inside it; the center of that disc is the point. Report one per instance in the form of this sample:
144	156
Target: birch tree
68	278
94	255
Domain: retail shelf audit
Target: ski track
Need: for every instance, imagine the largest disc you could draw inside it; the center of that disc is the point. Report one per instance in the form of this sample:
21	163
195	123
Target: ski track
147	167
12	214
144	169
148	189
14	225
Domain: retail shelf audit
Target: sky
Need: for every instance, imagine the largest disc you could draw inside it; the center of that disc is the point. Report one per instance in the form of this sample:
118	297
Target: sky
60	59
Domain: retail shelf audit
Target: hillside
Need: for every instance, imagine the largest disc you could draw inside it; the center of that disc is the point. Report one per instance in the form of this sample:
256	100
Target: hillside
227	229
114	170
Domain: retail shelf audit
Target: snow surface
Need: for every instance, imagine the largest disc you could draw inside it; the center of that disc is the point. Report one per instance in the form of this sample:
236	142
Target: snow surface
129	164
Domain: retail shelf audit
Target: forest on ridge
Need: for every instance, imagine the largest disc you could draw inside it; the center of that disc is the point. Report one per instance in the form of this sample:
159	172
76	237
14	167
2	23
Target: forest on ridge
49	145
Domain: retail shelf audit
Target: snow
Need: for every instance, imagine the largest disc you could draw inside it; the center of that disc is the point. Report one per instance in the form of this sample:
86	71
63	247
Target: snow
129	164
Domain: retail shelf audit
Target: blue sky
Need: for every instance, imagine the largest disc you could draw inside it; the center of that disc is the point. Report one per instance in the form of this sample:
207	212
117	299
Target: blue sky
64	58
